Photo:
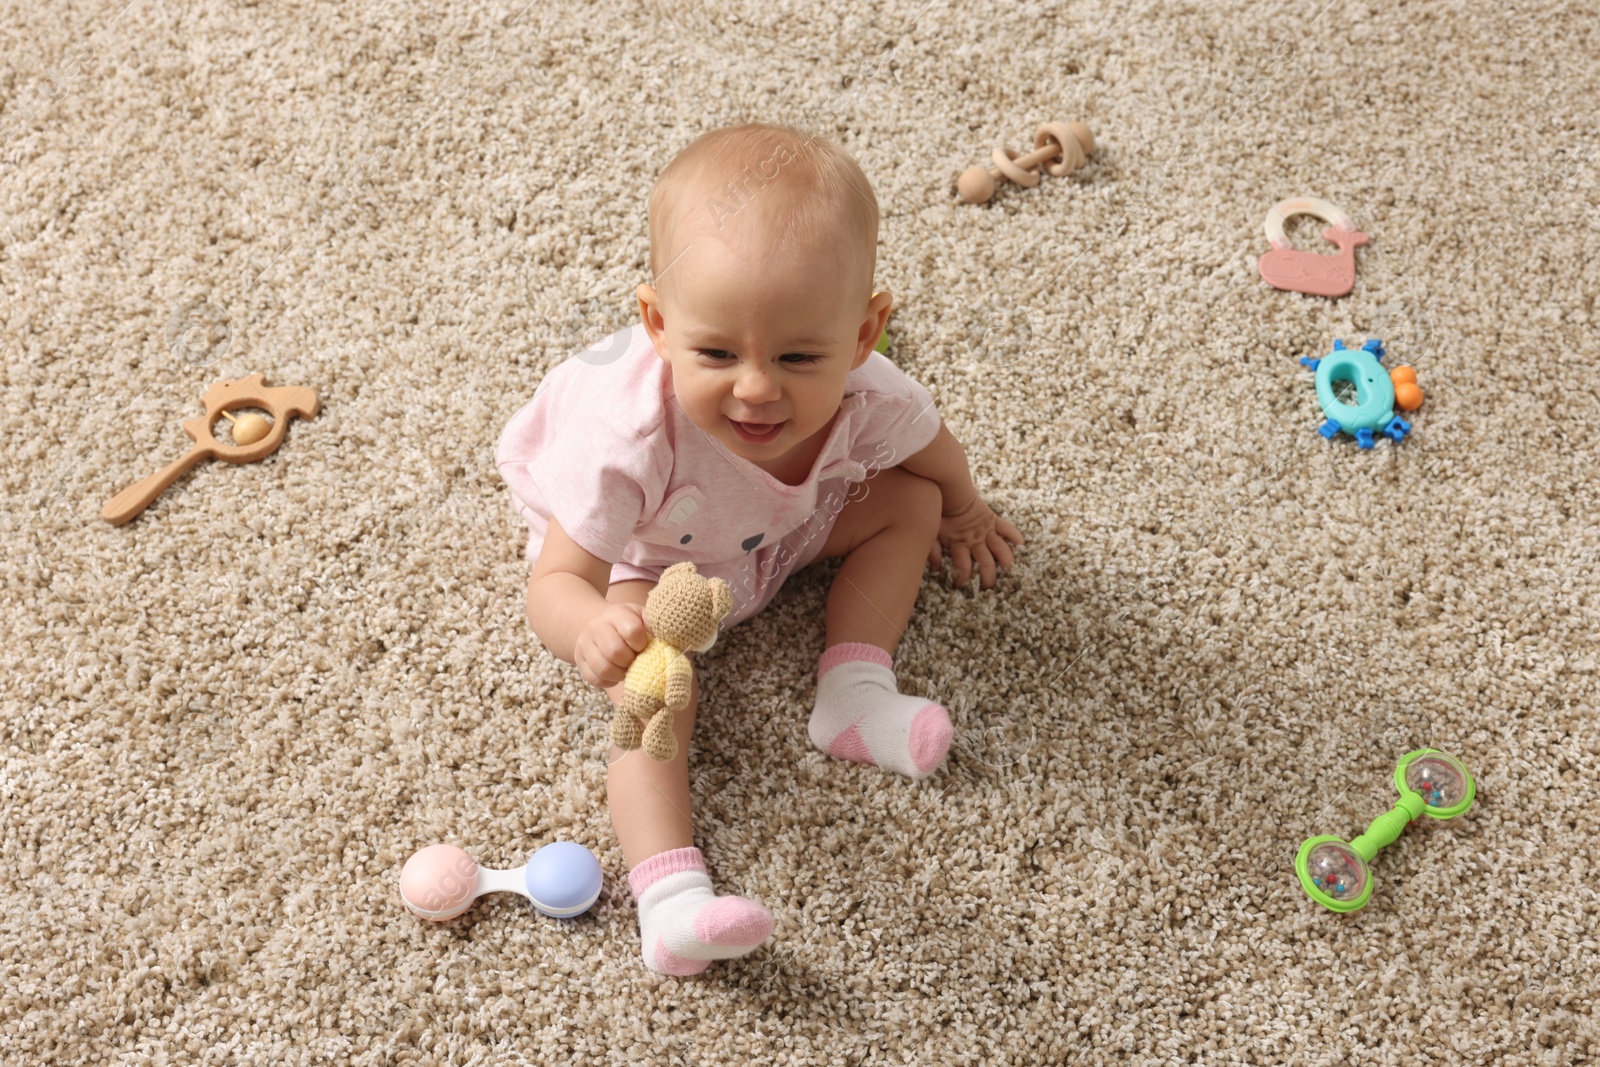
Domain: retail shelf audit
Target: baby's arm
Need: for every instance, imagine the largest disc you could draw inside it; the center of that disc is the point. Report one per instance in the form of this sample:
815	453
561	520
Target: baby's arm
968	528
944	462
570	615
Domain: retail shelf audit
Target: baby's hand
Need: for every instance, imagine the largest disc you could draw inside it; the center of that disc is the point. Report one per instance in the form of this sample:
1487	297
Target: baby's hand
974	532
609	644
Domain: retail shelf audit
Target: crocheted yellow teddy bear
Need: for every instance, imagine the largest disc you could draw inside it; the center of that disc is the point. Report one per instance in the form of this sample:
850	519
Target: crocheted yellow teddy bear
682	613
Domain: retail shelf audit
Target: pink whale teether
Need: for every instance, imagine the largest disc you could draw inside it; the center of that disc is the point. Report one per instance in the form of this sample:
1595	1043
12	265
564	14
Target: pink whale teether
1284	267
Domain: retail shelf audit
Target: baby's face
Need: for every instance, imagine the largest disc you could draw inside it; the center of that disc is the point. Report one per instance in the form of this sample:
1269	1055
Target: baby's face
761	343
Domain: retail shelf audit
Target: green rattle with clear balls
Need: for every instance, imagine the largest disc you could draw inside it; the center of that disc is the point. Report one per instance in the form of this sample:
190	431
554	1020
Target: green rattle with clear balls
1334	872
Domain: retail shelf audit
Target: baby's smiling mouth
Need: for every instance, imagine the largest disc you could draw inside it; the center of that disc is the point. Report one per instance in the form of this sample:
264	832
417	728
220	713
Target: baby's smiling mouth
756	431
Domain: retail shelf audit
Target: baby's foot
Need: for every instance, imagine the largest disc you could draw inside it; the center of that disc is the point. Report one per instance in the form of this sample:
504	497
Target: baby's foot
683	924
861	715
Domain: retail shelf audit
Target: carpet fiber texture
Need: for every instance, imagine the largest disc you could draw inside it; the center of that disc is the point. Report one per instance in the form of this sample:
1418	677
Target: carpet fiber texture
227	724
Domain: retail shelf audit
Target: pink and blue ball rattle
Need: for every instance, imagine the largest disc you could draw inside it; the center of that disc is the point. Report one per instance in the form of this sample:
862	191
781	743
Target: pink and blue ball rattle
1334	872
1378	393
441	881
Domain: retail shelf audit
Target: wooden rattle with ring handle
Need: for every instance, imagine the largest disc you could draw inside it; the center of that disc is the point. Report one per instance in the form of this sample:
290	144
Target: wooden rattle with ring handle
1071	141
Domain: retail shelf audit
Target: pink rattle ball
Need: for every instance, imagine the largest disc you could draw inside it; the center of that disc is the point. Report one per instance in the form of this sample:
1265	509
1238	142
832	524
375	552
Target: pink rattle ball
439	882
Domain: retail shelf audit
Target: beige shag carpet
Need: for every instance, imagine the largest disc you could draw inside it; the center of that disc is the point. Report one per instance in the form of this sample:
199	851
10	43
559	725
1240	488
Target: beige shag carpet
227	724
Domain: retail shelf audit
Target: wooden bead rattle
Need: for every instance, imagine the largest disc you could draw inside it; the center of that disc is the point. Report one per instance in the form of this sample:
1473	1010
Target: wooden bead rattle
1072	141
254	437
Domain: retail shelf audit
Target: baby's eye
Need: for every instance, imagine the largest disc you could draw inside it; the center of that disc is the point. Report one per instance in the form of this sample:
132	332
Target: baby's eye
796	357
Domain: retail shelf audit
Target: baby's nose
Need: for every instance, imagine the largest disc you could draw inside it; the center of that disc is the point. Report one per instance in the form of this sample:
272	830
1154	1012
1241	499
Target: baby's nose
755	384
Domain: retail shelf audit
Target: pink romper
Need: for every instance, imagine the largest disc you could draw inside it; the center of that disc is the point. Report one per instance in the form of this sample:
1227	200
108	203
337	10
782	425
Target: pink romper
604	449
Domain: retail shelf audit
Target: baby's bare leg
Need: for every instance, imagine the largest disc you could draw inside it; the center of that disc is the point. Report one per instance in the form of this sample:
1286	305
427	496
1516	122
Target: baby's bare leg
884	534
649	800
683	924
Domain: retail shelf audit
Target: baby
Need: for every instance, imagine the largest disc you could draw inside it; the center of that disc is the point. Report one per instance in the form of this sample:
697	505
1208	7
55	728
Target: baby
747	425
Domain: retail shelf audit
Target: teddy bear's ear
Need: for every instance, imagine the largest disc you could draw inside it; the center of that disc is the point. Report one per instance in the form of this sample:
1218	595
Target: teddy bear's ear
721	597
685	567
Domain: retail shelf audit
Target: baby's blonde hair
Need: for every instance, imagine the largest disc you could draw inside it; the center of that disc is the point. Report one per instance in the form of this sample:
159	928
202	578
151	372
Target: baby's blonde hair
802	187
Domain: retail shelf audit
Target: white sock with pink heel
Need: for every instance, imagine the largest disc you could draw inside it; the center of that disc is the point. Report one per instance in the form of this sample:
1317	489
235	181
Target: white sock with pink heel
861	714
683	924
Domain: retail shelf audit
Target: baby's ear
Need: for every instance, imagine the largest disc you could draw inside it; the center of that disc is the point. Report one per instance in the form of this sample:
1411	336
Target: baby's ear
650	310
872	327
